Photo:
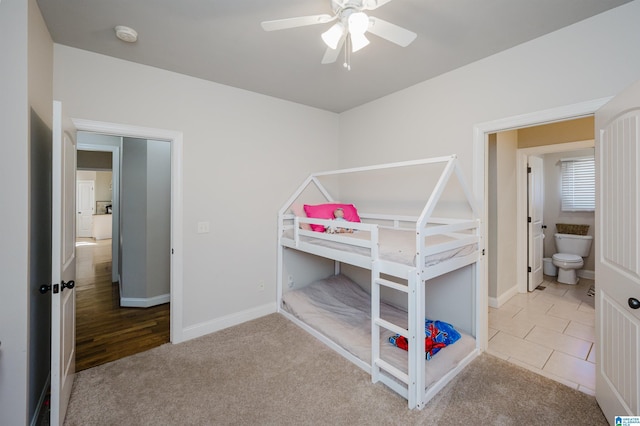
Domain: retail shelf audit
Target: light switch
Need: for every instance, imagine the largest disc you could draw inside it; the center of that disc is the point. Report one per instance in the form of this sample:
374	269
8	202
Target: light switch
203	227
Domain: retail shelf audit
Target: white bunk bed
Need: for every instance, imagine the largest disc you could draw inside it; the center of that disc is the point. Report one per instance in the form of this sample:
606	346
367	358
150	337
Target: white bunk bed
403	254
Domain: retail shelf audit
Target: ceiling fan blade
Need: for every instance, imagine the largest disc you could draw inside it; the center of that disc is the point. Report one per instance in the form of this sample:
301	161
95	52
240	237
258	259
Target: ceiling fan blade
300	21
373	4
331	55
388	31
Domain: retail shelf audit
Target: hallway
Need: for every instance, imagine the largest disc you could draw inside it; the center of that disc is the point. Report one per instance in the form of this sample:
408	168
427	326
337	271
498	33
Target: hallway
105	331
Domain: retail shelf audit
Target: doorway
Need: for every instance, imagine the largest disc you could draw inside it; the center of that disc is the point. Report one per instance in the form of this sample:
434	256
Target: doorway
175	139
522	321
122	310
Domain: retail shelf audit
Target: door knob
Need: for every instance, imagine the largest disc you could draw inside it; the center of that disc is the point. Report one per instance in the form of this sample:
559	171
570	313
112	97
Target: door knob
45	288
71	284
634	303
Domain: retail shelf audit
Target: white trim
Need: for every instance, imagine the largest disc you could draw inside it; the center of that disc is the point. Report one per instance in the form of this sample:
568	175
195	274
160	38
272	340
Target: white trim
480	177
586	274
496	302
138	302
204	328
175	138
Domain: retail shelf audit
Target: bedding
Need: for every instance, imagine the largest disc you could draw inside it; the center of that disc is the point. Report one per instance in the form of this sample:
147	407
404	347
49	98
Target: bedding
325	211
438	334
396	245
340	309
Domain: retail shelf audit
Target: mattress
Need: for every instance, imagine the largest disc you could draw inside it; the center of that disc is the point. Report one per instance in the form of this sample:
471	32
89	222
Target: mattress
395	245
340	309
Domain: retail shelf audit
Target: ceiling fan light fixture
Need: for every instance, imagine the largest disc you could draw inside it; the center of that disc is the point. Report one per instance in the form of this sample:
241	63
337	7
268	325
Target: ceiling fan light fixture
358	23
332	36
358	41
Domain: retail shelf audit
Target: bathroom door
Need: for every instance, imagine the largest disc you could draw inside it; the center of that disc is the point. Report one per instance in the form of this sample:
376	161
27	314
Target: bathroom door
617	245
535	194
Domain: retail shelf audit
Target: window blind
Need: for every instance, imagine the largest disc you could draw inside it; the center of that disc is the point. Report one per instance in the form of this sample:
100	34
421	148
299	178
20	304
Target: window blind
578	184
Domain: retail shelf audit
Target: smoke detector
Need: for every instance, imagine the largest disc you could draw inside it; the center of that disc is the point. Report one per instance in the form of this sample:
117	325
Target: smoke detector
126	34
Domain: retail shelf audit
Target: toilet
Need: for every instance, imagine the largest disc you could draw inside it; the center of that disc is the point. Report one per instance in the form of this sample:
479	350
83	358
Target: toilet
571	250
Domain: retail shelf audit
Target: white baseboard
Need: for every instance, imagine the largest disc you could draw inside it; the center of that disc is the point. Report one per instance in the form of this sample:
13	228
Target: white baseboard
584	273
496	302
134	302
218	324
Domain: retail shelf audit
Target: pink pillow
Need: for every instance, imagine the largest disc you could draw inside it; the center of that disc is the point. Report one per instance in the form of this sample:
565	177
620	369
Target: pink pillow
325	211
298	210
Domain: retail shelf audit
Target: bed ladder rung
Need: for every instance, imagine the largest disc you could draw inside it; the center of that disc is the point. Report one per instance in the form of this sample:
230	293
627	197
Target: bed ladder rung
392	370
392	327
396	286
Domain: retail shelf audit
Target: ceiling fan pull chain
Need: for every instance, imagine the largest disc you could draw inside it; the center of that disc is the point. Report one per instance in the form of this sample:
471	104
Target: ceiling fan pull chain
347	53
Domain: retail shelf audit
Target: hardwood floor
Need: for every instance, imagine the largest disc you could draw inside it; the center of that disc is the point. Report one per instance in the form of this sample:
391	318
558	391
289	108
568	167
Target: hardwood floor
105	331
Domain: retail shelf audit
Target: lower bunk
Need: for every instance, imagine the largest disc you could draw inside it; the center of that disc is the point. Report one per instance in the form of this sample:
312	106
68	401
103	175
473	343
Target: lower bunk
338	311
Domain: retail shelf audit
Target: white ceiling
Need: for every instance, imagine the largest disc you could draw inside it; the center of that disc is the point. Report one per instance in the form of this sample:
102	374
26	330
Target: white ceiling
222	40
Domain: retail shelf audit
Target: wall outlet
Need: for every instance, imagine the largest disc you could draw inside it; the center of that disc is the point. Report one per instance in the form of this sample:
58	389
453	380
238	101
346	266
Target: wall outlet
290	281
203	227
260	286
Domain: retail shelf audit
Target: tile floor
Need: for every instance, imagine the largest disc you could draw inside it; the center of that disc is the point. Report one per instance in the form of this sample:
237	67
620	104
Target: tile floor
550	331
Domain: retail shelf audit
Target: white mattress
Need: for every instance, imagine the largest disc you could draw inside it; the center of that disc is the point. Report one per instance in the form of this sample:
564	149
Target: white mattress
340	309
395	245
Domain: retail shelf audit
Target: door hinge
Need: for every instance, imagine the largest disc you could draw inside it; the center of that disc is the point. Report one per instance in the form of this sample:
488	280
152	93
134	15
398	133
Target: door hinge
528	268
528	219
171	251
528	169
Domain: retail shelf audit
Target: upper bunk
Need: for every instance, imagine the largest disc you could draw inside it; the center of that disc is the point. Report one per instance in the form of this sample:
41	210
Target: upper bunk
388	237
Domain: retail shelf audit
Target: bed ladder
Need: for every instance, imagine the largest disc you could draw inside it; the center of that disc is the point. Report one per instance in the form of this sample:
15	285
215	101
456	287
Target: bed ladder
414	379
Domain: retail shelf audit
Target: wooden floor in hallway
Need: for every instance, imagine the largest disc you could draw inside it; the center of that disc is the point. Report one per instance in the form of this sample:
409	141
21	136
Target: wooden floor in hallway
104	331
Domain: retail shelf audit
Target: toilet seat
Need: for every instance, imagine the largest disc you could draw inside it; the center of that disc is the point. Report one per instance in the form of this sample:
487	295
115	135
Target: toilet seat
567	265
567	258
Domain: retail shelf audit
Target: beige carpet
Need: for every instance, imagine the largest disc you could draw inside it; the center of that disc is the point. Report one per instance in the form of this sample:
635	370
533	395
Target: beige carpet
270	372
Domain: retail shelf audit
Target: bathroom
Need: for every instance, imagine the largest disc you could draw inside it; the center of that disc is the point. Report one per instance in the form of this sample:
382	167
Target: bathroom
554	213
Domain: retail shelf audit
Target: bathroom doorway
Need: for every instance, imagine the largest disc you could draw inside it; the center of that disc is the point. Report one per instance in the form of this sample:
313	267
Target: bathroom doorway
551	330
508	159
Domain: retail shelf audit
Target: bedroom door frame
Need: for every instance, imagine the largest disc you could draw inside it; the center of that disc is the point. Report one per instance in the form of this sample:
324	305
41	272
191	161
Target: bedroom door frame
481	133
175	138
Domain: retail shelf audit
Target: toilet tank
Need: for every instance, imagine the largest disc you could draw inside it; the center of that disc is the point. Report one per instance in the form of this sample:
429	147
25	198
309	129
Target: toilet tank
574	244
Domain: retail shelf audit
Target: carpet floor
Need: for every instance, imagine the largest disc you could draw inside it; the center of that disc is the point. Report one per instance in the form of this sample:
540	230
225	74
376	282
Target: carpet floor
270	372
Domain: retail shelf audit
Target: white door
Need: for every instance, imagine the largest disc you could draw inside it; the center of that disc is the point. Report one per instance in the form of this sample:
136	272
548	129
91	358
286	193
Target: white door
63	312
536	208
617	248
85	199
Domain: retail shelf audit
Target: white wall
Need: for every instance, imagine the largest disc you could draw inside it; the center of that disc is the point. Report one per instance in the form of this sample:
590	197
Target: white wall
590	60
502	248
244	154
158	218
13	226
26	70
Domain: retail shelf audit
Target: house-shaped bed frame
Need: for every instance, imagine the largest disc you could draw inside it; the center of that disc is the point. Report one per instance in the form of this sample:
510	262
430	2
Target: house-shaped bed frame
454	243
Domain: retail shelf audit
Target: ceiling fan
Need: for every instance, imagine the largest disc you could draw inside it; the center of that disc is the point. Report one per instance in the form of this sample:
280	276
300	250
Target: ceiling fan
350	28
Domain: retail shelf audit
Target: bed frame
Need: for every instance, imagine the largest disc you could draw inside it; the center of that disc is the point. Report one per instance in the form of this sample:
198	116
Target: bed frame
409	280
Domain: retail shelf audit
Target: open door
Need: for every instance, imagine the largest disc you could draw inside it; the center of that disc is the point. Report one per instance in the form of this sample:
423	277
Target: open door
63	355
617	246
535	231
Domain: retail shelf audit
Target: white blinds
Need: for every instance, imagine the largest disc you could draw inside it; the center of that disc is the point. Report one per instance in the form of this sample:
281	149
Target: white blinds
578	184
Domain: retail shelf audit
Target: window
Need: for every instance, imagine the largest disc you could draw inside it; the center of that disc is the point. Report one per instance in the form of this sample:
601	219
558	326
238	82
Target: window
578	184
